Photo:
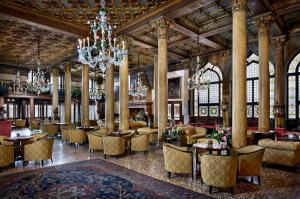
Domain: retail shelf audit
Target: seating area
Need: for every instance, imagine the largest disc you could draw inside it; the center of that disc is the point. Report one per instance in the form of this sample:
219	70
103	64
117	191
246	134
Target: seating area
150	99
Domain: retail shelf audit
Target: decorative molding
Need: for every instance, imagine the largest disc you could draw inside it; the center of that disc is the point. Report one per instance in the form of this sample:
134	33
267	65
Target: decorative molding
263	24
127	41
162	26
239	5
68	67
279	42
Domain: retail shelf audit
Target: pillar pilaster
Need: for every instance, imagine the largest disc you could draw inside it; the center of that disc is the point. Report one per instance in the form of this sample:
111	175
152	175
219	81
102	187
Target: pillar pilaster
55	97
279	108
239	78
263	23
124	98
68	95
162	27
85	98
109	99
155	81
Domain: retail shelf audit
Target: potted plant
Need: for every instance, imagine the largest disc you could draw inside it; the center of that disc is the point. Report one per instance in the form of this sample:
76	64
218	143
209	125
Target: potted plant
221	134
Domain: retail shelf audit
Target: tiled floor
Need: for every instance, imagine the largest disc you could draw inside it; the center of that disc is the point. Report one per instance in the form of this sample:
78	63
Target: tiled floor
275	183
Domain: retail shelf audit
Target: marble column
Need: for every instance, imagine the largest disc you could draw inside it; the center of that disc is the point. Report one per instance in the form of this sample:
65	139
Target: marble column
279	108
162	26
263	23
85	97
55	97
124	98
155	80
109	99
32	112
239	56
68	95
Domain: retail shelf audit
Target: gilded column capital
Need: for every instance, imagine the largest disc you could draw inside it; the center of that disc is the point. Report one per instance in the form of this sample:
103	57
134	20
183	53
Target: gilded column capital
263	24
154	52
55	71
68	67
162	26
278	42
125	42
239	5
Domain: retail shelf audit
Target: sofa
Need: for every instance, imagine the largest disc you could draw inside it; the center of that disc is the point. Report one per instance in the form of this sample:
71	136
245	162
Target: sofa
281	152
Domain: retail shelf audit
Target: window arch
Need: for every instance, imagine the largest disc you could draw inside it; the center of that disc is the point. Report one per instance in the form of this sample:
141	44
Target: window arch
294	88
207	101
253	86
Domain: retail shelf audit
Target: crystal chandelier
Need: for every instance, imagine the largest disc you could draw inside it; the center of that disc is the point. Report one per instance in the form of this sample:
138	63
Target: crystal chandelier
198	81
18	87
102	52
139	89
96	93
37	82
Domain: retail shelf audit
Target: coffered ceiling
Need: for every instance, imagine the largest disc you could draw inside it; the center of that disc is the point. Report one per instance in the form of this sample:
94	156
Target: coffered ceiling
201	27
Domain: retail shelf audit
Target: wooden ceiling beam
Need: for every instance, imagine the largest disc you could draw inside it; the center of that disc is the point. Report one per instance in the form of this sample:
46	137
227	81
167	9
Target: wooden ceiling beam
172	10
195	36
40	20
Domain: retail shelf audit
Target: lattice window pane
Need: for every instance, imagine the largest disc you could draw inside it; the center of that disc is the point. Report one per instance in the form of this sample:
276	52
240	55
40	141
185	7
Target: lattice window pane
294	63
255	111
203	96
292	97
252	70
169	111
203	111
256	91
196	103
249	91
272	86
211	75
249	111
214	93
176	112
214	111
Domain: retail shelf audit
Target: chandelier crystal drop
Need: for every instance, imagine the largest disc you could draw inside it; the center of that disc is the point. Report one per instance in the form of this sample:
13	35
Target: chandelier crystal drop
198	81
103	51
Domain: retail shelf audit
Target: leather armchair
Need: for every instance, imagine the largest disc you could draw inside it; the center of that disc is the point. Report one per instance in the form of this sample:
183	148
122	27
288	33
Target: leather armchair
39	151
177	159
250	161
113	146
77	136
140	143
51	129
219	171
7	155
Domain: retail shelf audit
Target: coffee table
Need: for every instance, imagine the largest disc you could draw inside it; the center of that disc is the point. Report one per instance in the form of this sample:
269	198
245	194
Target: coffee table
206	147
295	138
18	145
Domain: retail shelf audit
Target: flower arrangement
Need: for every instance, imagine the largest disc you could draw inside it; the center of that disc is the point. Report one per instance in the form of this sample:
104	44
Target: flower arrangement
221	134
171	131
140	116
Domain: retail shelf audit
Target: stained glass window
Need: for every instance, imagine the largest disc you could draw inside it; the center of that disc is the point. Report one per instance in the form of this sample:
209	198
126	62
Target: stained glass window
253	86
207	101
294	88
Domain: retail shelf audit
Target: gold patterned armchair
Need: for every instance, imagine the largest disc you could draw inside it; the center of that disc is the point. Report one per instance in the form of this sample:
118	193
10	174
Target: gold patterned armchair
190	134
113	146
65	135
34	125
140	143
153	133
77	136
19	123
69	126
95	141
39	136
177	159
6	155
250	161
39	151
3	142
219	171
281	152
137	124
51	129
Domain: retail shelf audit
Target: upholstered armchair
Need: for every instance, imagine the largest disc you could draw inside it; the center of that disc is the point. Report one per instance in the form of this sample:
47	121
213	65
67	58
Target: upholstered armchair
39	151
137	124
250	160
6	155
153	133
3	142
140	143
65	135
19	123
177	159
281	152
34	125
219	171
200	132
69	126
38	136
95	141
51	129
190	134
113	146
93	123
77	136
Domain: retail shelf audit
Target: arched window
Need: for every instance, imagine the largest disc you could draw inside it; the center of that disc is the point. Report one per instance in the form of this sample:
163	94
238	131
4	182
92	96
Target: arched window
207	101
253	86
294	88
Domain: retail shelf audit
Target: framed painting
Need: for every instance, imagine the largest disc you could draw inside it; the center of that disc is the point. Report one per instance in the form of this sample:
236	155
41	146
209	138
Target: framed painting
174	88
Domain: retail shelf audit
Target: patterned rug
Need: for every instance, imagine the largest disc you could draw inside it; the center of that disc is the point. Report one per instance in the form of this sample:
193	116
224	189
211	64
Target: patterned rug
89	179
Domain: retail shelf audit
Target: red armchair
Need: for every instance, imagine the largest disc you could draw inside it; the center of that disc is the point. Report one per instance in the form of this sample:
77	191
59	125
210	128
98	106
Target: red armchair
5	128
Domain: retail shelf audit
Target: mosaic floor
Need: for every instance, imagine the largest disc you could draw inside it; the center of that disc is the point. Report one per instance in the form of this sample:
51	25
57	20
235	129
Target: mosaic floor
276	183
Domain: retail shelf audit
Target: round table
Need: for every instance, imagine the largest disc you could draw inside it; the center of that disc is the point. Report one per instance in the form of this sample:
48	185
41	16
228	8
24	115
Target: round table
206	147
18	145
85	128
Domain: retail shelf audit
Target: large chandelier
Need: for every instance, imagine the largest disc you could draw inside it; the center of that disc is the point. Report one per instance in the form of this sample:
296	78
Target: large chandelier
18	87
37	82
139	89
103	51
198	81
